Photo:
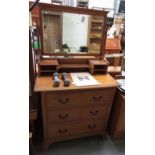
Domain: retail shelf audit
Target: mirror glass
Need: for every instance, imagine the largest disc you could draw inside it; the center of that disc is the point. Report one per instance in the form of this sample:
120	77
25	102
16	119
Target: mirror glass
71	33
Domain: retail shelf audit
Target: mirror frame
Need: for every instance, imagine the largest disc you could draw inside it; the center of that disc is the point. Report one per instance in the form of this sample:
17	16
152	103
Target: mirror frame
69	9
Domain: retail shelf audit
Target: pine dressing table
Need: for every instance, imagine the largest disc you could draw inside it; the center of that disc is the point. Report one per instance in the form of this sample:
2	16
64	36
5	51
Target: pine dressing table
73	112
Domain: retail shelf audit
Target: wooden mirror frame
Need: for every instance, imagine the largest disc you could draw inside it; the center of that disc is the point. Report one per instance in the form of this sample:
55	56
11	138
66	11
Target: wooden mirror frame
68	9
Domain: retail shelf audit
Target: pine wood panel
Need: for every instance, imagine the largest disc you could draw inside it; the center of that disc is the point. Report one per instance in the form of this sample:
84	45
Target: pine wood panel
81	113
60	130
45	84
63	100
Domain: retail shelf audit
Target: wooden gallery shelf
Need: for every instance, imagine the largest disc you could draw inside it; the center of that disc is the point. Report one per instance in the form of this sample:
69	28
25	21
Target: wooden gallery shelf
98	66
74	67
47	67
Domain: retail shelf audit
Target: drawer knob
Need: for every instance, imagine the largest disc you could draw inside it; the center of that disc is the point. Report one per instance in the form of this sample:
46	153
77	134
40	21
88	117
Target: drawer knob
92	126
62	131
97	98
94	113
64	101
63	116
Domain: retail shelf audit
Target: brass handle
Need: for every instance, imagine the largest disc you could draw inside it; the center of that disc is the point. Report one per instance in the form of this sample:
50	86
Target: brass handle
94	113
62	131
65	101
97	98
91	126
63	116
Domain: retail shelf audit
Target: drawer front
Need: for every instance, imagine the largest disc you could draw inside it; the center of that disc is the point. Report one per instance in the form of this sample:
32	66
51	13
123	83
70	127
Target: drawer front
93	112
60	130
74	99
66	115
81	113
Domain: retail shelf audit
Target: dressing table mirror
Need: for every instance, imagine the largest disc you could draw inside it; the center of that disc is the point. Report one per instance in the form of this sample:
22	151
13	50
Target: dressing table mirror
72	36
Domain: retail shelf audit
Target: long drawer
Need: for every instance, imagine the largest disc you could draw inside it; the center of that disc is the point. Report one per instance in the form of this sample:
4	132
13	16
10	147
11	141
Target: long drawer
69	99
82	113
60	130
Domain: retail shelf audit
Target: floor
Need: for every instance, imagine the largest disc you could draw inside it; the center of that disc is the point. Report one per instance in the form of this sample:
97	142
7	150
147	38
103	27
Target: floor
85	146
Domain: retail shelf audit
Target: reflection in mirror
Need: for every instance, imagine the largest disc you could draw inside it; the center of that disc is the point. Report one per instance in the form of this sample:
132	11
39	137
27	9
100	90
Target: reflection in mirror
71	33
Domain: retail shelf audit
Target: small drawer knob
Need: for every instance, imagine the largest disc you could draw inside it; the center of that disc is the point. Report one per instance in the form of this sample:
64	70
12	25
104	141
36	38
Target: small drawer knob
94	113
97	98
63	116
64	101
92	126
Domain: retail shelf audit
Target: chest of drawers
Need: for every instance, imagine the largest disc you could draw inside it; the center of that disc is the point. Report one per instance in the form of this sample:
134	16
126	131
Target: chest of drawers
73	112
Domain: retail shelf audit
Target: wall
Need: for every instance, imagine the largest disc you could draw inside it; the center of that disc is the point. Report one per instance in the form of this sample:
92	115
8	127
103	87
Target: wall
95	3
75	30
65	2
101	3
110	4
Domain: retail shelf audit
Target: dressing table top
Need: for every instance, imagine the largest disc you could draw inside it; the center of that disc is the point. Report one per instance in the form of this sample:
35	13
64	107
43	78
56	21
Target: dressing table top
44	84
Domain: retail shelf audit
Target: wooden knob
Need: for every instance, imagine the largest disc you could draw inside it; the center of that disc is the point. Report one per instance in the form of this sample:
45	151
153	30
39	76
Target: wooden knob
64	101
92	126
94	113
63	116
97	98
62	131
